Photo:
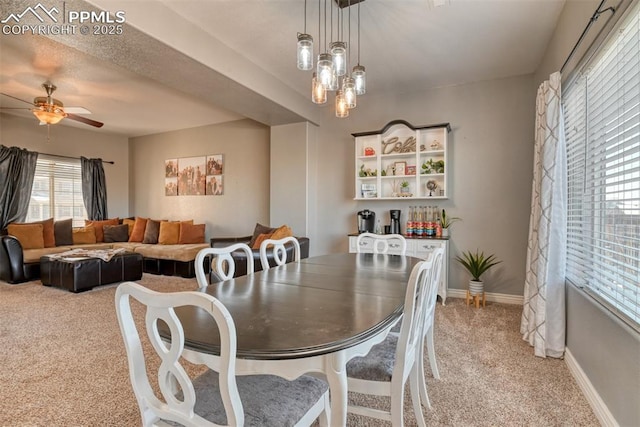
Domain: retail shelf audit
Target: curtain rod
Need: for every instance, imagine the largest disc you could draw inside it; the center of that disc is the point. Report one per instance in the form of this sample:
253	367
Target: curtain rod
593	19
75	158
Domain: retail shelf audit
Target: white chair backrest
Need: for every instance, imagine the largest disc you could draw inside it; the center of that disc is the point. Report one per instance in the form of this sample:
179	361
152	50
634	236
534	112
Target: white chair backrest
160	307
419	288
279	251
437	258
222	263
382	243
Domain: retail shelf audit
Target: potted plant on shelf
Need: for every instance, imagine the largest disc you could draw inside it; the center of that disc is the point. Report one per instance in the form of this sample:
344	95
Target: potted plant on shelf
404	187
446	222
476	264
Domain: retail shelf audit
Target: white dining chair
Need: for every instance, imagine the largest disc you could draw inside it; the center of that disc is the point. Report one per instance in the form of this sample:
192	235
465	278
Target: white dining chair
437	258
213	398
385	370
222	263
382	243
278	250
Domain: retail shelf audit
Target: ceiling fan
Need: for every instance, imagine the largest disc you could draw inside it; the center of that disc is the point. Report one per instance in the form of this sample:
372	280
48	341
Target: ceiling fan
50	110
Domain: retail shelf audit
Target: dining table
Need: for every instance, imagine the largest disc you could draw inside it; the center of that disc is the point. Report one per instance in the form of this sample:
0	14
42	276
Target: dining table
306	317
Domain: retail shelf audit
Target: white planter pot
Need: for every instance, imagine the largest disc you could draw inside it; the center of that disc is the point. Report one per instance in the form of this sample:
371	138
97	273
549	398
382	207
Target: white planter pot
445	232
476	287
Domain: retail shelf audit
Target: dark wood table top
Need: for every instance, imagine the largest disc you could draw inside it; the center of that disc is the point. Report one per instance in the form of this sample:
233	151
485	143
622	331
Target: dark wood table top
316	306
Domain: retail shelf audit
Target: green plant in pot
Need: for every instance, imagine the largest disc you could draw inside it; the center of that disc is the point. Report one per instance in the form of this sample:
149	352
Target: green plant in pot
476	264
404	187
446	222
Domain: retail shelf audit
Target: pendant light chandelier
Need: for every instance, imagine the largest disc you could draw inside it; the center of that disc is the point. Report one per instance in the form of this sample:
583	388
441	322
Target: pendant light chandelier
332	69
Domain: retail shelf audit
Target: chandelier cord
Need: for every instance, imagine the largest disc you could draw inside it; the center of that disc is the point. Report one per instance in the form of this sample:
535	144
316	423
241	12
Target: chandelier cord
325	26
358	33
349	51
305	16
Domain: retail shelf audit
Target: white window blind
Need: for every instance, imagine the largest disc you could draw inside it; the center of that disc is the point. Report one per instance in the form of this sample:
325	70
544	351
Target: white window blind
57	191
602	127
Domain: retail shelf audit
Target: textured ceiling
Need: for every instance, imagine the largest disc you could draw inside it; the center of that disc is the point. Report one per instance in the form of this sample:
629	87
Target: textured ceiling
189	63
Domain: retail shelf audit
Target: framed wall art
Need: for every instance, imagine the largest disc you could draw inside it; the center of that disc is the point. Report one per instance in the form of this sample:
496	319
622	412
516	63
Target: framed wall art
194	176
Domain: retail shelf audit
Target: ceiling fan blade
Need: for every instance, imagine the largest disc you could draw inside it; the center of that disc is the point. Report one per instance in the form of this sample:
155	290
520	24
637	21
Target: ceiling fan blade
84	120
15	108
17	99
76	110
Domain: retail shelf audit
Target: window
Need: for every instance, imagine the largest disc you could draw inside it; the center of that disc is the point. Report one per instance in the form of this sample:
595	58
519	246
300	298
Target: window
602	127
57	191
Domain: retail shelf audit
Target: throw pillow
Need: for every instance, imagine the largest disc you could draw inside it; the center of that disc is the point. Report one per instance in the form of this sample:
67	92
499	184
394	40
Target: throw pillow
98	227
282	232
261	238
84	235
129	222
151	232
169	233
48	234
191	233
30	236
63	232
137	234
116	233
260	229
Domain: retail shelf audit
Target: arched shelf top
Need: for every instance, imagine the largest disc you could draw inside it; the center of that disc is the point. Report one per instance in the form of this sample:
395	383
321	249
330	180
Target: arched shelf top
402	122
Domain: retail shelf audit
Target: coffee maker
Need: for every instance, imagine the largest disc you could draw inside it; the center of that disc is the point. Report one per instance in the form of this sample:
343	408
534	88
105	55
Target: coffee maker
366	221
394	226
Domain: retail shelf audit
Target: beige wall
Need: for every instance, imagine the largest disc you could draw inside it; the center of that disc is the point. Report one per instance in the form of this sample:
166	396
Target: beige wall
491	161
245	145
76	142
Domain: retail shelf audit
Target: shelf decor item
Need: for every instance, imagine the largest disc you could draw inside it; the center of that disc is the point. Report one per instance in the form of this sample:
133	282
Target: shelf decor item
403	151
446	222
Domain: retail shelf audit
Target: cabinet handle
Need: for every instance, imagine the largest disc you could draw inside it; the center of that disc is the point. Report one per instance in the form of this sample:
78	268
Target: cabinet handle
428	247
394	245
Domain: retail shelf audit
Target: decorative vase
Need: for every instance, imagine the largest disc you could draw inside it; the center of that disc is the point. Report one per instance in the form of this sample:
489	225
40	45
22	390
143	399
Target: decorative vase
445	232
476	287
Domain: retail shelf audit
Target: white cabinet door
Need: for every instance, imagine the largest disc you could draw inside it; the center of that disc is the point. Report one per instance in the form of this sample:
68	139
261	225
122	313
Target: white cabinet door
419	248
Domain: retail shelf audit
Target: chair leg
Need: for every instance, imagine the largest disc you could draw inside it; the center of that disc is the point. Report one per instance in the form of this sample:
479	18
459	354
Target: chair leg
397	403
432	354
325	416
416	385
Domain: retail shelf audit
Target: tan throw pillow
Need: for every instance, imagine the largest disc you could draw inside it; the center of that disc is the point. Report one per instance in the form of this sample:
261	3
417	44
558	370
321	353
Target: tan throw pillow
30	236
282	232
129	222
191	233
98	227
137	234
261	238
257	231
84	235
169	233
48	234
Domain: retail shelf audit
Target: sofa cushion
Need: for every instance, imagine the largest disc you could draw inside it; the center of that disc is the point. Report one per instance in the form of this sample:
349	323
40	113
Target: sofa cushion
116	233
84	235
98	225
183	253
191	233
137	233
169	233
63	232
151	231
277	234
30	236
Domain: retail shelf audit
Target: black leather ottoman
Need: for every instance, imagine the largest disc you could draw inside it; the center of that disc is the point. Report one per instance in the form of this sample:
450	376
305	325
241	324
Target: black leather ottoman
81	274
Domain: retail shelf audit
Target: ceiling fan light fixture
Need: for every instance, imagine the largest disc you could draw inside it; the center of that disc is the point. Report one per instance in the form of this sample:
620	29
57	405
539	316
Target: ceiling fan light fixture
48	117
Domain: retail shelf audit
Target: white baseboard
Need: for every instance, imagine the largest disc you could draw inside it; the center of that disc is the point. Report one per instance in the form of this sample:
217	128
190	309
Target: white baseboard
493	297
600	409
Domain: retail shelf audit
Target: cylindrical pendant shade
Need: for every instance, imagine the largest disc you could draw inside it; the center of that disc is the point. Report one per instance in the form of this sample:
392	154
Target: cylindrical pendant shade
339	56
318	91
334	85
359	76
305	52
342	110
349	89
325	69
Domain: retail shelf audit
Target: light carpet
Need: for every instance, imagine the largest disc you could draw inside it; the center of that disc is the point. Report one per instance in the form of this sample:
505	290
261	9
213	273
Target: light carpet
63	363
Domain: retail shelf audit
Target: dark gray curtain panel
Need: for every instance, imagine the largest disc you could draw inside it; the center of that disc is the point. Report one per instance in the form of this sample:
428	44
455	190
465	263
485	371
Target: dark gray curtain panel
17	169
94	188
